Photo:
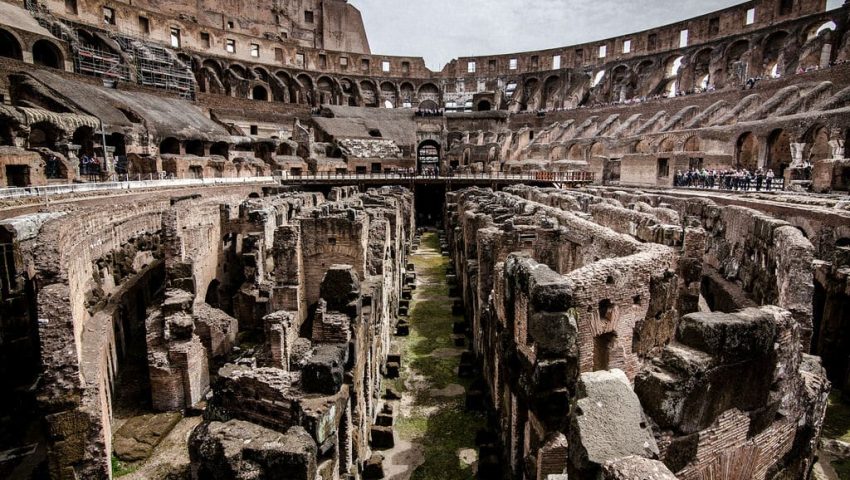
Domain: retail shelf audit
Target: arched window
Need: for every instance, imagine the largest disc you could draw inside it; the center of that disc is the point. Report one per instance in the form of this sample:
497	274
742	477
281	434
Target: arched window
9	46
195	147
260	93
46	54
169	146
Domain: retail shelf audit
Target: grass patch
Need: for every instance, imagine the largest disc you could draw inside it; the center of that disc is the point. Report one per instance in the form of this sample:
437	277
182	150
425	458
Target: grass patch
449	427
842	469
837	422
119	468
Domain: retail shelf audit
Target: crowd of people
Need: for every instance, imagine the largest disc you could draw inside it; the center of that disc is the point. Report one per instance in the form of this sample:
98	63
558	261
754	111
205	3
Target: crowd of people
740	179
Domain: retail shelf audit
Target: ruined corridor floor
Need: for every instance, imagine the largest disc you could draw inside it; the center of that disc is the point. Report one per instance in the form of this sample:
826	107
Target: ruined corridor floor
435	435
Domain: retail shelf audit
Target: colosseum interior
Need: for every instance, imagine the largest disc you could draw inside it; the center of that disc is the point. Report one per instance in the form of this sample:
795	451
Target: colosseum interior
238	244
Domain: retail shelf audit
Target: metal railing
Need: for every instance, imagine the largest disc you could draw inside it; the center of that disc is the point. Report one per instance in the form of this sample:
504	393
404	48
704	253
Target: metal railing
125	185
562	177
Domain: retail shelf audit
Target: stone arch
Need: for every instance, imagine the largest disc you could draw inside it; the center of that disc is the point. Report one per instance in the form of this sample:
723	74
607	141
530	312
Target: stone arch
369	93
733	57
283	88
306	83
548	96
428	91
692	144
779	151
326	90
429	105
817	144
747	151
530	94
642	146
575	152
10	45
169	146
44	134
261	73
667	144
772	48
84	137
389	94
597	150
645	67
817	29
701	67
673	65
483	106
428	155
47	54
406	94
260	93
350	91
238	70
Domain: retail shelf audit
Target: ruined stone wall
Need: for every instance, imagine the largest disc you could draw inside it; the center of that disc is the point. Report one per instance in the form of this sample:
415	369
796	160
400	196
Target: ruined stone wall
90	267
623	308
529	322
328	382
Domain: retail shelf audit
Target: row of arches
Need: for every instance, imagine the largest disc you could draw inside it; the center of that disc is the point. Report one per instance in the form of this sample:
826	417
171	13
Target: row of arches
44	52
729	64
258	83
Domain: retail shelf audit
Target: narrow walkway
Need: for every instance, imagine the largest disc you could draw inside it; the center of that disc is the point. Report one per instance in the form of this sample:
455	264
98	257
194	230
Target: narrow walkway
435	435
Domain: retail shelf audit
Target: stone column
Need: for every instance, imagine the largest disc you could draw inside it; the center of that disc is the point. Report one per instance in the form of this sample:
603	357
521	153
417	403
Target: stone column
837	148
797	150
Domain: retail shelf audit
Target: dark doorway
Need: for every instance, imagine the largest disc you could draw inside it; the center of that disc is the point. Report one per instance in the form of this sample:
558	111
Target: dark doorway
260	93
17	175
9	46
46	54
429	201
169	146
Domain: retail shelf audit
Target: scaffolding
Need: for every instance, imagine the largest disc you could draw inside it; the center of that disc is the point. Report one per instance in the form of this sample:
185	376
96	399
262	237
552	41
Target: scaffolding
155	66
159	67
97	63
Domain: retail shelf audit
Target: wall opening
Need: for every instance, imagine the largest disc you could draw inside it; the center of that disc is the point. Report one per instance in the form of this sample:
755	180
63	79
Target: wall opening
46	54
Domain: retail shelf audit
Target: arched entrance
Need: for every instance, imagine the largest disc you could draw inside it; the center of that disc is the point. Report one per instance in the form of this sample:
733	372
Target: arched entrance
428	157
169	146
747	152
260	93
778	151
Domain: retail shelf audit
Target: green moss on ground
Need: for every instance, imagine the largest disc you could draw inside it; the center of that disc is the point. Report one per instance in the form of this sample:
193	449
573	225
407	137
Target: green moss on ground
119	468
837	422
842	469
449	428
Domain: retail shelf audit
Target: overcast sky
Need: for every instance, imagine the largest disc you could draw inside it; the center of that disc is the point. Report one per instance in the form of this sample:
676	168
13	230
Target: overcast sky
441	30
